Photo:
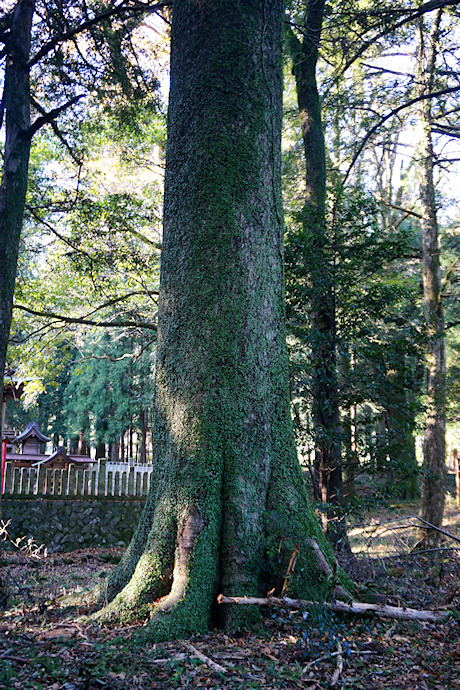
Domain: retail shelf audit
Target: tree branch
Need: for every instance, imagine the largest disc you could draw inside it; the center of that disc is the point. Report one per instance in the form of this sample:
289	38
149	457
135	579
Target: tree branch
57	131
419	12
449	272
398	208
392	113
49	117
87	322
118	9
58	234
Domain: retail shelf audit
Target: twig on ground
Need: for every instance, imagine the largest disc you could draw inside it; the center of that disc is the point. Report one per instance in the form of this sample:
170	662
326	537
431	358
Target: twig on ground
209	662
339	668
365	652
11	657
389	633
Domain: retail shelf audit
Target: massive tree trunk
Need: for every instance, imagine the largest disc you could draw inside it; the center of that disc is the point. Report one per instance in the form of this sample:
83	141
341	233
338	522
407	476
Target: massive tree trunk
228	507
314	253
434	447
16	104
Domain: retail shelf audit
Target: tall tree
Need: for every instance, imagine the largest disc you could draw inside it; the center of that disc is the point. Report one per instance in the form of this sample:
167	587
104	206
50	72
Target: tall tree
312	259
228	508
434	447
15	31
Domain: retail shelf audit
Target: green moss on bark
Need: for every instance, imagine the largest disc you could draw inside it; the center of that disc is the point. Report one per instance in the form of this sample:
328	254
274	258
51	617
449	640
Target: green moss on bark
225	456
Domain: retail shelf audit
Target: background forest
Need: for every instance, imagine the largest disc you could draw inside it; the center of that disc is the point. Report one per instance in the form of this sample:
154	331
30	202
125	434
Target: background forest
370	132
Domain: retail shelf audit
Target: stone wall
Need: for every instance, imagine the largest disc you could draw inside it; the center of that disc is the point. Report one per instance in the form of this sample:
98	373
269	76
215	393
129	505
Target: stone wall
69	524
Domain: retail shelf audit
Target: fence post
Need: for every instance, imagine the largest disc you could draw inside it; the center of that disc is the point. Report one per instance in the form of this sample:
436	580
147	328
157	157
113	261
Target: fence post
31	481
64	483
8	477
40	479
23	481
49	481
101	470
131	481
71	487
79	476
16	478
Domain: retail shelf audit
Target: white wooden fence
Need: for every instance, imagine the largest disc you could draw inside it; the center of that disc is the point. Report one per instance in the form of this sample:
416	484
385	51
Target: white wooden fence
102	480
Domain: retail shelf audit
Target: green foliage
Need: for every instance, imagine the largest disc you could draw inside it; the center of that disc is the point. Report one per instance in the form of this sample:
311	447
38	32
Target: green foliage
109	385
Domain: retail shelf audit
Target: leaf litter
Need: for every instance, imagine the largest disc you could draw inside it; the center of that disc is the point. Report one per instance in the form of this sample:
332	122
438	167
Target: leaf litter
42	644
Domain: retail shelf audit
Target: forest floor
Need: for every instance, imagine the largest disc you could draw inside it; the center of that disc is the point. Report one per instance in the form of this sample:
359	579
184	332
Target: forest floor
42	644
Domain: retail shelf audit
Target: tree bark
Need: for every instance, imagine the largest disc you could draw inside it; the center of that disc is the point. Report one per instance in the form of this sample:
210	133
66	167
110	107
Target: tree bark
228	505
16	102
434	447
316	257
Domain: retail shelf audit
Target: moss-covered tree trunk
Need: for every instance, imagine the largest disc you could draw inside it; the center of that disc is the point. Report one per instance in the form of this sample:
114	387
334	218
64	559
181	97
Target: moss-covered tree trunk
434	446
228	506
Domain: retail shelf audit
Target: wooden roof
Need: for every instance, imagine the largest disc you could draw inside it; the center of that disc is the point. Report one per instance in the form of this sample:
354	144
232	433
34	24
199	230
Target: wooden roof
32	430
60	454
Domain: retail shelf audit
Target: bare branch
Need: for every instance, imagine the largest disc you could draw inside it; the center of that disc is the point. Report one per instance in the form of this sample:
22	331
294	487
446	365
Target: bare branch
87	322
392	113
49	117
118	9
407	211
57	131
415	14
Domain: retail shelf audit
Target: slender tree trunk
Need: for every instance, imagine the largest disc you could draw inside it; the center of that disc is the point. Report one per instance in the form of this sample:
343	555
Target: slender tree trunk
348	430
122	447
434	447
131	431
351	460
114	452
400	432
82	444
228	505
16	102
318	262
143	453
100	451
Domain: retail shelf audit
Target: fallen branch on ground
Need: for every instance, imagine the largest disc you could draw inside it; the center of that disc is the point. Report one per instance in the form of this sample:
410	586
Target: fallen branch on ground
364	652
355	607
209	662
339	668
